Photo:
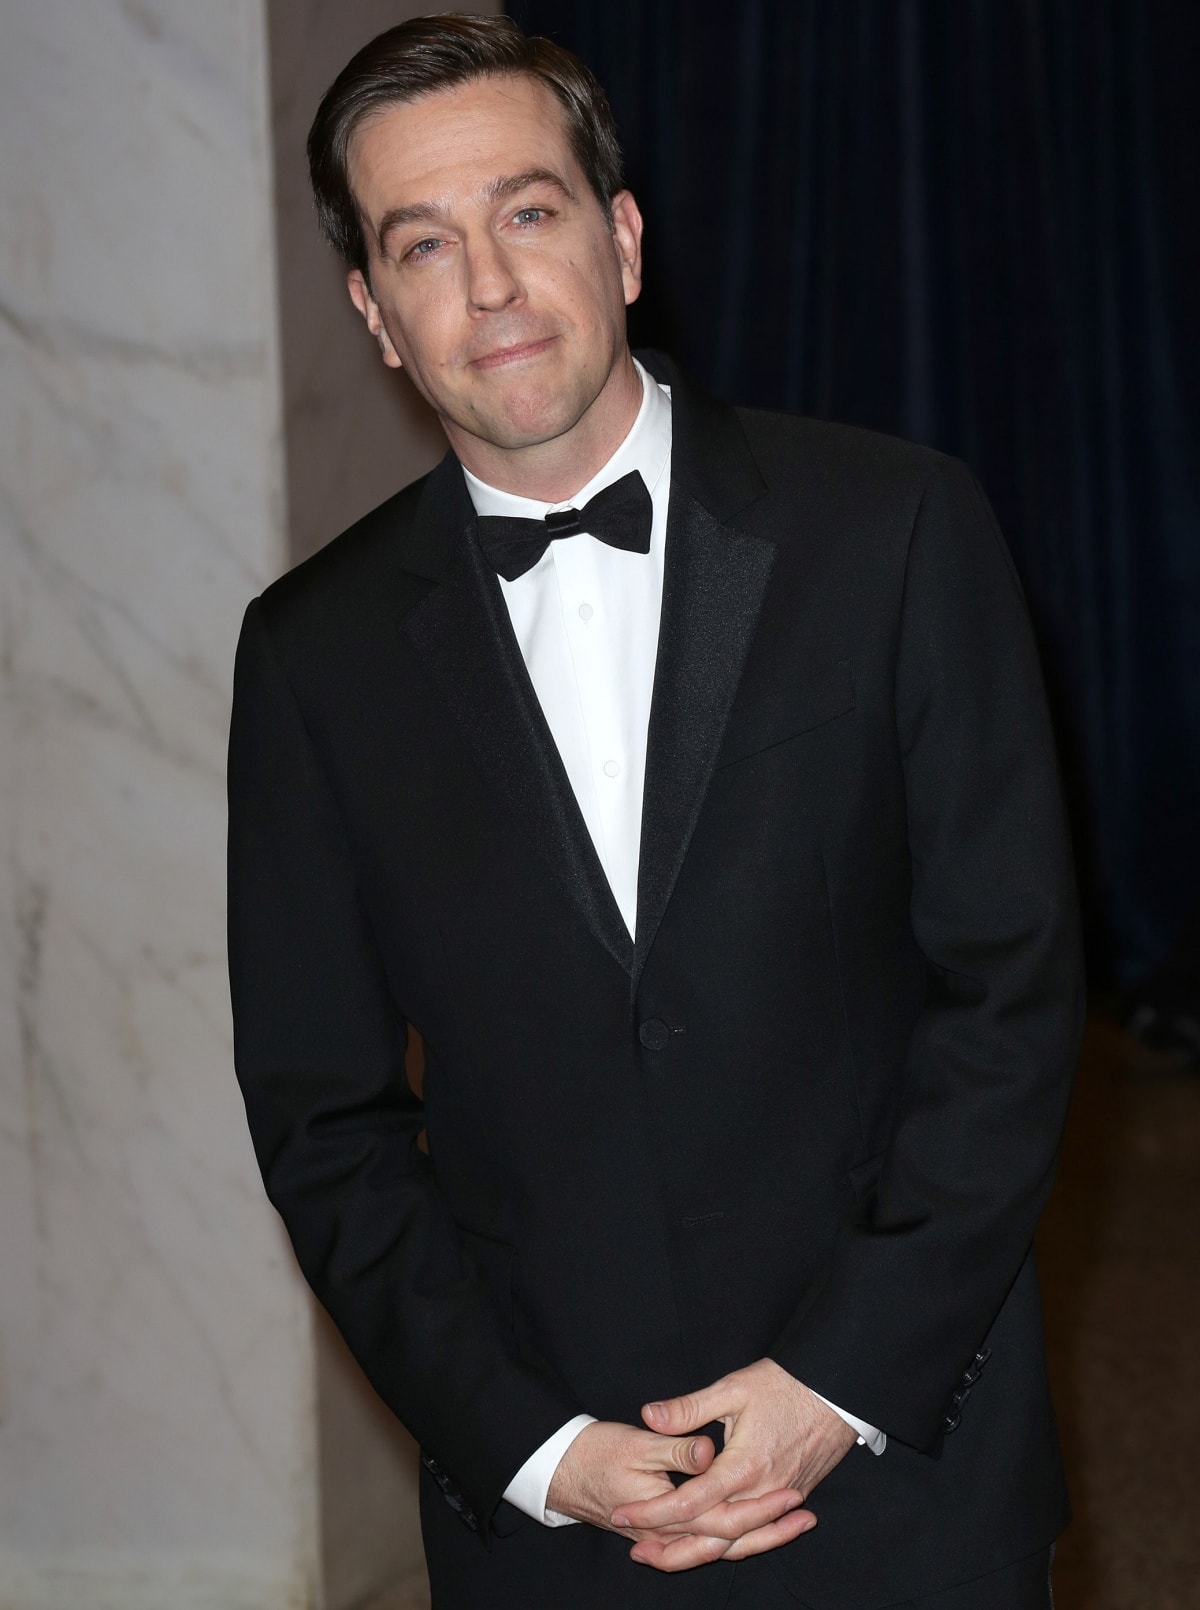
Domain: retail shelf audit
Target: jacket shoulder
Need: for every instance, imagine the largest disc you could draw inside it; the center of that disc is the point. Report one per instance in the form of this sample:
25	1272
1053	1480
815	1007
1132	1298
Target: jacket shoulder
369	560
785	445
866	493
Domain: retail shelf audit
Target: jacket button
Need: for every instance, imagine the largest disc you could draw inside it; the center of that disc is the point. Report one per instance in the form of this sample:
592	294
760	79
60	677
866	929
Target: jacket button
654	1034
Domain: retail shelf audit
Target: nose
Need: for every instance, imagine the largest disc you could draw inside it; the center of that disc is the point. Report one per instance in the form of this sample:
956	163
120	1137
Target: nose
492	281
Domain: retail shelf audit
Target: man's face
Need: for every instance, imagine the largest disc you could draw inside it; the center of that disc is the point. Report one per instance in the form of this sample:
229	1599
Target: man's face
495	278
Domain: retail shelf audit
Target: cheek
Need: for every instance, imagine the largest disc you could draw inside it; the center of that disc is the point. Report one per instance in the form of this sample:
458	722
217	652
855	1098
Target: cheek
422	334
589	291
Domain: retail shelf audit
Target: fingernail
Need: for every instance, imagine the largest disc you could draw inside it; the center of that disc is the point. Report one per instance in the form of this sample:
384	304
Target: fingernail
808	1526
657	1410
695	1452
620	1520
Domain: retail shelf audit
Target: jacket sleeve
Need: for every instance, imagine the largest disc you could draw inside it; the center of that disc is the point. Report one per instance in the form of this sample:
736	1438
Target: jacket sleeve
917	1279
319	1050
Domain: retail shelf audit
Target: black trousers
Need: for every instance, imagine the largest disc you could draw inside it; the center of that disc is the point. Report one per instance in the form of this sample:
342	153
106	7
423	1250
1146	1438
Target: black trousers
1023	1586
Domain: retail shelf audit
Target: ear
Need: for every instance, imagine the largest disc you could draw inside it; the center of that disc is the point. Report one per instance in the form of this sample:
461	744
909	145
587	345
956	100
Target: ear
360	295
627	238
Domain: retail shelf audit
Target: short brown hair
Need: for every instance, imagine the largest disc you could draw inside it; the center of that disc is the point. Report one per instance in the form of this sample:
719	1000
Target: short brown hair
428	54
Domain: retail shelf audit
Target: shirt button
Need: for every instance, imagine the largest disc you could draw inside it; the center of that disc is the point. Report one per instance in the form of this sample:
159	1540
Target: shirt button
585	612
612	768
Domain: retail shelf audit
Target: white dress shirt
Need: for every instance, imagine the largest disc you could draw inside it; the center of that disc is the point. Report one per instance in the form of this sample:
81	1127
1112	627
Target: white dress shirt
586	619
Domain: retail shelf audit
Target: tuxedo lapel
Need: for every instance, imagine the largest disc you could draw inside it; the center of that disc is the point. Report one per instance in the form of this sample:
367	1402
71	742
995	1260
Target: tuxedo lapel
712	592
715	578
462	633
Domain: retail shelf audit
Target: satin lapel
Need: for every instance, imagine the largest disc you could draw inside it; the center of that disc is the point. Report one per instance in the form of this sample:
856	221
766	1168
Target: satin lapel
713	589
463	635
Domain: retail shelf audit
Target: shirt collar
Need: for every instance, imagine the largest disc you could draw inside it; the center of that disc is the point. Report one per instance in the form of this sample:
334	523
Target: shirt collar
647	449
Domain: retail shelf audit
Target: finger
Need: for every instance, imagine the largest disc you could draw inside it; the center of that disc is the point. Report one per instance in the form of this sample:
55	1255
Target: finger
685	1553
773	1535
726	1479
737	1518
691	1456
680	1554
677	1416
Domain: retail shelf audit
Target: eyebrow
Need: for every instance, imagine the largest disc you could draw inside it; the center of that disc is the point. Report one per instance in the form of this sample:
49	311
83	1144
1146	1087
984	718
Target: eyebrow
501	189
432	212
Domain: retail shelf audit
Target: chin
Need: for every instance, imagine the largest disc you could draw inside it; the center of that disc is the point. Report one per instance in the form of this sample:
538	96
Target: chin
529	422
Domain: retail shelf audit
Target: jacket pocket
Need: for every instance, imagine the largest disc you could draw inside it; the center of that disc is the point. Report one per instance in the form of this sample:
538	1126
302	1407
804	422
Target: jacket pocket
825	695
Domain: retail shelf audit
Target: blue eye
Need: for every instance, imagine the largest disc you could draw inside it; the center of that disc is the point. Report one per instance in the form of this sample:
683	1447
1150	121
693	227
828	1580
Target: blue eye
529	215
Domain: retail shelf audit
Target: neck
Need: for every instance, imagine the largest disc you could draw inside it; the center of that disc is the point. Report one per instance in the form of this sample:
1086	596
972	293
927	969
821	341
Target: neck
553	471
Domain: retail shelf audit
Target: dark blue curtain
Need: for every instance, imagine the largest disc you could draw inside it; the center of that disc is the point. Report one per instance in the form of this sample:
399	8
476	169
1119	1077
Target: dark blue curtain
972	223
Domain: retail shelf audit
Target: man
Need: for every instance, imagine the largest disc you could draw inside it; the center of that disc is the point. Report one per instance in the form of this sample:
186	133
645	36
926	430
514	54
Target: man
710	836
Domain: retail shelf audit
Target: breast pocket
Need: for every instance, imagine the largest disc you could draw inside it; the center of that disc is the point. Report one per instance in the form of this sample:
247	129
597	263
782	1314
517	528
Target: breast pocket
776	717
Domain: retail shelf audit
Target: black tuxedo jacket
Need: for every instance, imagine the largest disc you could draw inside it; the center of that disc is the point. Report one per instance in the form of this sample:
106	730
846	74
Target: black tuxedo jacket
812	1112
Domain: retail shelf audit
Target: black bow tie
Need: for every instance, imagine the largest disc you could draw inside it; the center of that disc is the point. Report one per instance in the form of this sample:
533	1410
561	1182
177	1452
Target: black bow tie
620	515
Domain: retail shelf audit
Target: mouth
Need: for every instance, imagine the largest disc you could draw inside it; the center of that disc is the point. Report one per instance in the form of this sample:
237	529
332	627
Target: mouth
520	352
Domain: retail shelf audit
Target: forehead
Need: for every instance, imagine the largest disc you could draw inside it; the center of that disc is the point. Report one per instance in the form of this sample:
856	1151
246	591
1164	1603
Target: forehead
447	146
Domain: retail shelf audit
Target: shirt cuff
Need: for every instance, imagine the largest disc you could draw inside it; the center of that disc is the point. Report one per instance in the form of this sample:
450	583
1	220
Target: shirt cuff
868	1436
529	1488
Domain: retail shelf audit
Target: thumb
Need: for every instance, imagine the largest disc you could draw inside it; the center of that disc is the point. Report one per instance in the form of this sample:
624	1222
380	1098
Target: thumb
677	1416
691	1456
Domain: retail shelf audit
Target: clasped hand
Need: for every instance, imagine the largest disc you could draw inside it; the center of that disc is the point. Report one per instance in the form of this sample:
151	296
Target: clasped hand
780	1441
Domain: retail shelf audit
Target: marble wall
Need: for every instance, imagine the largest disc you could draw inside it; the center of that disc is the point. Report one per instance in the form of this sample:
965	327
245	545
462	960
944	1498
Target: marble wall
157	1445
178	366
